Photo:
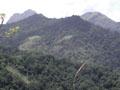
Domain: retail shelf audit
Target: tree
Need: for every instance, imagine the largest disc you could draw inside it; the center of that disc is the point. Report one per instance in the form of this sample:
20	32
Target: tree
12	31
2	16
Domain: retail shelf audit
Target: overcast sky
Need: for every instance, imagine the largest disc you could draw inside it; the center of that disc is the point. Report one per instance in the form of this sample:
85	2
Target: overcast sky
62	8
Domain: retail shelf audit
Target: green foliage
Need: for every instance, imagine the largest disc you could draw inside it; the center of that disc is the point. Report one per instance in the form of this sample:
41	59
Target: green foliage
12	31
19	76
49	73
66	45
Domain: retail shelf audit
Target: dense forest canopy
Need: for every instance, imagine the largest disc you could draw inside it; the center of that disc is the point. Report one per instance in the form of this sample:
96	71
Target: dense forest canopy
39	53
34	71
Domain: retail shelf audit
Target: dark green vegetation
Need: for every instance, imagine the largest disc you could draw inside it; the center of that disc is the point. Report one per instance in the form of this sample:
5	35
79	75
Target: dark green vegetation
33	71
46	53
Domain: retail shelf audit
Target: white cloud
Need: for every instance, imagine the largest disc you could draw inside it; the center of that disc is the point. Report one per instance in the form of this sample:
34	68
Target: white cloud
62	8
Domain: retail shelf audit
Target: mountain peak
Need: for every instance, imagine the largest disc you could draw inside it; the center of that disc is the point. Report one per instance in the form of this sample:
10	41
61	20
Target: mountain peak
18	17
94	15
99	19
29	11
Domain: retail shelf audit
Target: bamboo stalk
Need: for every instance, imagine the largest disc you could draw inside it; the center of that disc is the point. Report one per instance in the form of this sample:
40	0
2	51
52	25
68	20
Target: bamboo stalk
76	74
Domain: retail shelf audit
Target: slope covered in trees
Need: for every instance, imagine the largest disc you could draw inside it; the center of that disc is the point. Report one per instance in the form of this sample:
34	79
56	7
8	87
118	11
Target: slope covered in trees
34	71
69	37
46	53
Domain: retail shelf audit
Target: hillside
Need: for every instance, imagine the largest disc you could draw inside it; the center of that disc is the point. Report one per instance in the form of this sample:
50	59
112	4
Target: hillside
46	53
101	20
66	37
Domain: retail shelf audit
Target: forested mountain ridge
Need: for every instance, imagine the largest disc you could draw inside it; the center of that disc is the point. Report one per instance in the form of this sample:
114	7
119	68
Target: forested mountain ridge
46	54
66	37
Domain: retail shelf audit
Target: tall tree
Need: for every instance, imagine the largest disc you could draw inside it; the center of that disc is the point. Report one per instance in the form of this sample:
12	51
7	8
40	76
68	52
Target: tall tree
2	16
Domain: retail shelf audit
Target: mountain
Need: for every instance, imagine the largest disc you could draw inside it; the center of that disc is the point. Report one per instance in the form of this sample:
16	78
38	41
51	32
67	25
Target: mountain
101	20
66	37
59	54
17	17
